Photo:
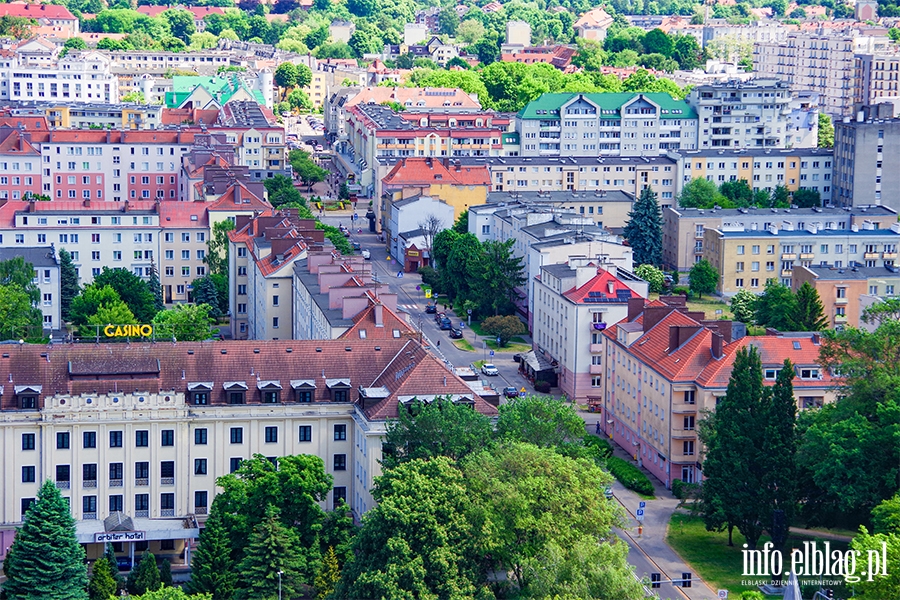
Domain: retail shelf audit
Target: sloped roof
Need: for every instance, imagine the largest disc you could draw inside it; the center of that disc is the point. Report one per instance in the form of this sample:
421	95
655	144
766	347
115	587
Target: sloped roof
183	215
594	18
36	11
426	171
248	200
599	284
670	108
365	320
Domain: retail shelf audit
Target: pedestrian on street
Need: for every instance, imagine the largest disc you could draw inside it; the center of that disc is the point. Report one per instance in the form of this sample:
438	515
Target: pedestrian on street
598	426
439	343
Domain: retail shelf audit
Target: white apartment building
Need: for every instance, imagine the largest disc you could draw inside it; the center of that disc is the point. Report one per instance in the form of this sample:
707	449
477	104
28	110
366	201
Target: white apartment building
77	78
185	232
573	303
97	235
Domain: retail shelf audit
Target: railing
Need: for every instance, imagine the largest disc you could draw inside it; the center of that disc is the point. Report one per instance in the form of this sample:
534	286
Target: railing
870	255
788	256
62	485
142	481
167	481
89	516
142	513
89	483
167	512
200	510
115	483
889	255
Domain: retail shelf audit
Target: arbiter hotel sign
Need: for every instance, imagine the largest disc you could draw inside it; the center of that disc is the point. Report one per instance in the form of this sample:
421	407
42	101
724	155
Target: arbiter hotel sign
119	536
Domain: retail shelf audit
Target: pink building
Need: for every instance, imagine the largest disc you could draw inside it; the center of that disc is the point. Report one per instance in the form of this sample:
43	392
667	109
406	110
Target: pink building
20	165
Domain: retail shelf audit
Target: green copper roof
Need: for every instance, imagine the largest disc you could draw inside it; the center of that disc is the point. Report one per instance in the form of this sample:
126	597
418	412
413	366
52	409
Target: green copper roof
220	88
547	106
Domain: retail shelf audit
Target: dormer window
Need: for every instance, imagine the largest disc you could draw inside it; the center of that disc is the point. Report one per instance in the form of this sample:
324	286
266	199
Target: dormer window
271	391
235	392
304	389
198	393
809	373
27	396
339	389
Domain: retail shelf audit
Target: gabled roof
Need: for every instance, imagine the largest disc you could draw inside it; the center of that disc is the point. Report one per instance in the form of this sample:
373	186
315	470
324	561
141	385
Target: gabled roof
595	18
14	143
599	286
365	321
36	11
247	200
426	171
432	97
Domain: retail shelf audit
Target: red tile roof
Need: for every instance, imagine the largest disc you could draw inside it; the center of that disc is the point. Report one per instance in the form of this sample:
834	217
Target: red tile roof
36	11
183	215
427	171
600	284
247	200
199	12
365	320
14	143
29	123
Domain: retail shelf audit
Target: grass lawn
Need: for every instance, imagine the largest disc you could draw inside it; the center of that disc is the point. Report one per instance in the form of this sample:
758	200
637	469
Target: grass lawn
463	345
492	344
708	553
708	305
478	363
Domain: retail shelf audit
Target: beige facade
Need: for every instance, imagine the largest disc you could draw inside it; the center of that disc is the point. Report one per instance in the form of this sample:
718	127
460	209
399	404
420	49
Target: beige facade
845	293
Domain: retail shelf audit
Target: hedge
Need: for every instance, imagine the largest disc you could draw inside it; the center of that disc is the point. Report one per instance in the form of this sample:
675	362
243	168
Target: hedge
629	475
684	491
601	447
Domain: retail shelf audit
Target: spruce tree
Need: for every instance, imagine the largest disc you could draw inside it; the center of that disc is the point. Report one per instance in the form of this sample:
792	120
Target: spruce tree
144	578
329	574
68	282
644	229
155	288
780	450
46	562
810	314
212	568
102	585
205	292
110	555
165	573
272	548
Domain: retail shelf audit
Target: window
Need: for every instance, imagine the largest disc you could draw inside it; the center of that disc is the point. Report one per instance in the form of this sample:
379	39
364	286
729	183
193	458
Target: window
89	439
167	502
115	439
168	437
688	447
28	474
89	505
340	432
142	439
689	423
200	499
771	373
27	441
63	473
809	373
340	462
62	440
201	398
142	470
339	496
237	435
142	502
200	437
26	504
306	433
235	397
167	469
841	292
689	397
234	464
199	466
116	503
116	472
89	474
271	435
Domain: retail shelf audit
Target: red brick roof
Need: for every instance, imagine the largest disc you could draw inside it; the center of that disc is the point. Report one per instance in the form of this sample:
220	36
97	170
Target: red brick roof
177	116
36	11
248	200
119	369
365	320
29	123
183	215
600	284
427	171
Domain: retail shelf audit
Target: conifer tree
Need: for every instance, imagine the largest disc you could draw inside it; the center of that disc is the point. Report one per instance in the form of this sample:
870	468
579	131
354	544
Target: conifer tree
329	574
212	568
144	578
165	573
68	282
810	314
110	555
155	288
272	549
644	229
45	561
102	585
780	450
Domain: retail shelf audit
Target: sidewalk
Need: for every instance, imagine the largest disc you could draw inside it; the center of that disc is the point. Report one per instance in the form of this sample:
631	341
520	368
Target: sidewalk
658	512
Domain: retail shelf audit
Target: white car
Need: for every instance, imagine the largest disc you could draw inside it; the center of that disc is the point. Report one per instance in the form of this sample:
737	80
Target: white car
489	369
366	254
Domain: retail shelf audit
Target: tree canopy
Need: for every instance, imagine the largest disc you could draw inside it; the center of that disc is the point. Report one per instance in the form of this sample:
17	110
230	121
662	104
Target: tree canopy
184	322
703	278
132	290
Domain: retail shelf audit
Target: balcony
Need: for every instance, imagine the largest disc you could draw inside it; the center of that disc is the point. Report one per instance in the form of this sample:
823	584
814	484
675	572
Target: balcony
89	516
89	483
167	512
870	255
807	256
200	510
596	348
62	485
142	481
166	481
787	273
115	483
597	326
889	255
791	256
840	301
596	369
684	434
684	409
840	318
142	513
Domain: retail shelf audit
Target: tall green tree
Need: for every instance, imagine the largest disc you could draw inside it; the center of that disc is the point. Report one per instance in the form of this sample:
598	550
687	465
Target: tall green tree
184	322
438	428
540	420
45	561
498	276
102	586
738	192
110	556
825	135
807	198
273	560
780	451
16	271
68	283
643	230
810	314
418	541
886	310
700	193
775	307
703	278
212	566
155	288
145	577
19	318
132	290
217	248
653	276
743	306
503	328
205	292
286	75
461	225
181	24
329	574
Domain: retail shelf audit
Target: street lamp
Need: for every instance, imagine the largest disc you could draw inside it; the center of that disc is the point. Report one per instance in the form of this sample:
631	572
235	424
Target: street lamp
280	573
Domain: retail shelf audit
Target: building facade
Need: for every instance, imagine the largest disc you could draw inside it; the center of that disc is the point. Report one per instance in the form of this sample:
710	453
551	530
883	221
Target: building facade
847	292
867	159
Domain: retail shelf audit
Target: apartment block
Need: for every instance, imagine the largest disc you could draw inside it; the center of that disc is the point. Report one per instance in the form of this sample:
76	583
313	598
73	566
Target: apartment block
847	292
20	163
77	78
573	303
867	158
818	62
149	455
747	259
614	124
795	168
684	228
664	367
876	78
747	114
185	233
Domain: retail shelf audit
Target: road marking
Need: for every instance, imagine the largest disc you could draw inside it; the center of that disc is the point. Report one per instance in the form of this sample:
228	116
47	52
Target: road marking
409	306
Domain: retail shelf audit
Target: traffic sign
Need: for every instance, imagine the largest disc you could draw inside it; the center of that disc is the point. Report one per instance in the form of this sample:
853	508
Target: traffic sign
522	391
469	311
723	594
640	512
492	352
608	492
640	518
521	394
498	340
642	504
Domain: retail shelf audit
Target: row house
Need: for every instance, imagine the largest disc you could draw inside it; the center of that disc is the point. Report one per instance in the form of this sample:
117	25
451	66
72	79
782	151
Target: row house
748	259
137	434
684	228
662	368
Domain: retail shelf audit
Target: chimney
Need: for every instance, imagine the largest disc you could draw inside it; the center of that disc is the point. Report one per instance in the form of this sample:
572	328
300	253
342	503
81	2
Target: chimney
635	307
125	206
237	194
379	315
654	314
673	338
717	345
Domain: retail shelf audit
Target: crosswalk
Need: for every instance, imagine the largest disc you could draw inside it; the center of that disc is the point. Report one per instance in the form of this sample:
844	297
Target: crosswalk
408	307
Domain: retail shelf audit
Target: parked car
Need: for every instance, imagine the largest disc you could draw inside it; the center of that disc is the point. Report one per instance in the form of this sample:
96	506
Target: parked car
510	392
366	255
489	369
124	563
430	309
446	324
355	246
438	316
455	333
319	148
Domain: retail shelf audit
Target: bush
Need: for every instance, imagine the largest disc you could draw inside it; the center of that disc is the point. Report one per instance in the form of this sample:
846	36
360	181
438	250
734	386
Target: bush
599	446
542	386
684	491
681	291
752	595
629	475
